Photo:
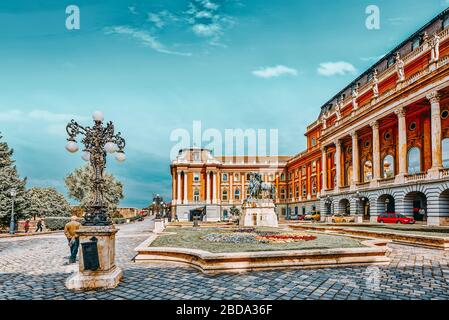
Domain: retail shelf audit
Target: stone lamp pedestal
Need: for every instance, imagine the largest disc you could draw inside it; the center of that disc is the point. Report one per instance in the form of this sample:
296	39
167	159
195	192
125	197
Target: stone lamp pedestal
96	271
259	213
159	225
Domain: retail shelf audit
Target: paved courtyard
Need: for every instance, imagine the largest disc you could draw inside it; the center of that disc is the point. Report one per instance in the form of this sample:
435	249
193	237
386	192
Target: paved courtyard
34	268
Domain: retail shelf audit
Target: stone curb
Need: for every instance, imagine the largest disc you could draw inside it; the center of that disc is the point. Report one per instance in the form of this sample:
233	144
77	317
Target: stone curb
375	253
435	242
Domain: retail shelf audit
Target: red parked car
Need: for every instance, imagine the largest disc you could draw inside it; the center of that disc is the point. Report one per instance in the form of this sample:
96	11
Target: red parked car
395	218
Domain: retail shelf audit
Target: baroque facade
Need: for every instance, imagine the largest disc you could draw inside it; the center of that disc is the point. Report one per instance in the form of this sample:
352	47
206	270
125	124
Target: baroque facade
381	144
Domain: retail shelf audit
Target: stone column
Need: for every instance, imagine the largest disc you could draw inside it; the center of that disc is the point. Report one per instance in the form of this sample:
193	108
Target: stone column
437	160
324	167
207	187
402	144
186	201
231	184
338	164
214	188
178	193
355	159
376	151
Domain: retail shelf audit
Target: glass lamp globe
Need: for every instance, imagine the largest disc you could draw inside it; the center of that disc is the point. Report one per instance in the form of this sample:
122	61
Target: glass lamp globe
120	156
13	193
110	147
72	146
98	116
86	156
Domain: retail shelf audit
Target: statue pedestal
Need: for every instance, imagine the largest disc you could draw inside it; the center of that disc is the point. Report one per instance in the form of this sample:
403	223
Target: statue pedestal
159	226
106	274
259	214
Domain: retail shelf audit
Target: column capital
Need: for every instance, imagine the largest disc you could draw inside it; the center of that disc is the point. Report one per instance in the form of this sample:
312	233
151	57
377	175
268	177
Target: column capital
374	124
433	97
400	113
337	142
354	134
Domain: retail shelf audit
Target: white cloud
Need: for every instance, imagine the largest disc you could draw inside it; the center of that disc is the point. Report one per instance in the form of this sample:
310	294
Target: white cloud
39	115
145	38
342	68
373	58
55	123
207	20
272	72
398	20
162	18
206	30
133	10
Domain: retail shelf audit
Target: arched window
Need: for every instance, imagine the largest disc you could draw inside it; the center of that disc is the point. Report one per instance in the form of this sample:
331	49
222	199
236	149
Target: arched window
282	177
237	194
388	166
225	195
367	171
196	195
414	160
445	153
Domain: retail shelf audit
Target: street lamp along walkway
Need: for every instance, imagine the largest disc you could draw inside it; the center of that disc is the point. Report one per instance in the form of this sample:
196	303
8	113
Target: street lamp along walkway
97	267
97	141
12	226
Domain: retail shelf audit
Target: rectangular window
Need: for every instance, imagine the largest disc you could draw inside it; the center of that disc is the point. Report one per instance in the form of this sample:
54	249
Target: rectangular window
225	177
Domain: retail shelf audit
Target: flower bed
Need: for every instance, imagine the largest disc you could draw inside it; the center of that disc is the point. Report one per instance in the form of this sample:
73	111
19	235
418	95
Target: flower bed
251	235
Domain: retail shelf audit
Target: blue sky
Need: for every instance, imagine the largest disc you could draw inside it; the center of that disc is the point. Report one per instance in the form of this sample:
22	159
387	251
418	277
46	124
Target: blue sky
155	66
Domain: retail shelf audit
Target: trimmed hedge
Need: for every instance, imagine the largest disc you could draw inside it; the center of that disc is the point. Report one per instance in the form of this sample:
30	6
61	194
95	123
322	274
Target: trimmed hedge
56	223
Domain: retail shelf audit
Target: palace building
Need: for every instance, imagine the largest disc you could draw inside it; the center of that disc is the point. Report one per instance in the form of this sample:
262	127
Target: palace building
380	145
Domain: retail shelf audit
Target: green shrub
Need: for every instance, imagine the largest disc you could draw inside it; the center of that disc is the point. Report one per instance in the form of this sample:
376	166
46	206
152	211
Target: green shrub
56	223
119	220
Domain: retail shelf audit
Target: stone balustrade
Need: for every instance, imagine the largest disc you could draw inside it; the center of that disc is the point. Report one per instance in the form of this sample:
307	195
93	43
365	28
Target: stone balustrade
415	177
444	173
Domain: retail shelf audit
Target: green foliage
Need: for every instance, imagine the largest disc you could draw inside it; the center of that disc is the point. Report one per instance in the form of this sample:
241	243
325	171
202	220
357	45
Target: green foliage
234	211
56	223
9	179
80	186
47	202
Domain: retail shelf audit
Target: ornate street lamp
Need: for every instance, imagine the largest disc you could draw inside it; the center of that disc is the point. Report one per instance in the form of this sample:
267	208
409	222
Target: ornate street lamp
158	204
97	141
12	227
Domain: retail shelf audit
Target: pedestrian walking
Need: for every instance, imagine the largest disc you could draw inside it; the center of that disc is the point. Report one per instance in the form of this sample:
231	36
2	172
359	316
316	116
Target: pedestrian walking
176	218
74	242
26	226
39	226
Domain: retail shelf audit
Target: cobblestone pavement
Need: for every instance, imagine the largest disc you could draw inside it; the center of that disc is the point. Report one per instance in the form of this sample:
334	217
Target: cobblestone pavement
33	268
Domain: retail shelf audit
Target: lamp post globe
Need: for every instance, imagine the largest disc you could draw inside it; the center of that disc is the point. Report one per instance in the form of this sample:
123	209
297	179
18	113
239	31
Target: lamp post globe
120	156
98	116
110	147
72	146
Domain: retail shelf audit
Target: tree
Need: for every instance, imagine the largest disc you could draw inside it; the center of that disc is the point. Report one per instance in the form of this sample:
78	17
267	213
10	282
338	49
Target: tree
80	187
9	180
47	202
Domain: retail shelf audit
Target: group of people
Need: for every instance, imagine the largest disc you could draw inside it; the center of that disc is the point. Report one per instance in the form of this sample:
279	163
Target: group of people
39	226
